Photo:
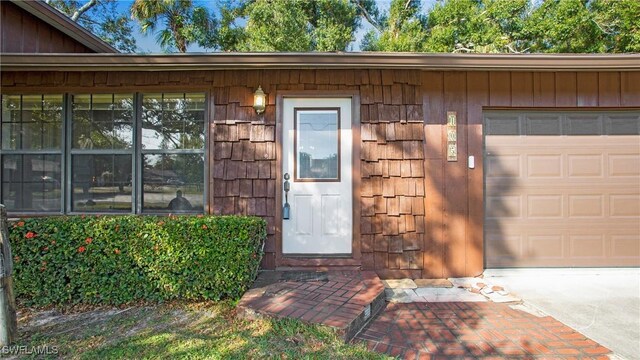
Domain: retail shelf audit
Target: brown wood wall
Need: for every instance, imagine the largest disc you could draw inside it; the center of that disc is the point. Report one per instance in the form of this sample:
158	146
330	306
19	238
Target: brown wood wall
22	32
421	216
454	207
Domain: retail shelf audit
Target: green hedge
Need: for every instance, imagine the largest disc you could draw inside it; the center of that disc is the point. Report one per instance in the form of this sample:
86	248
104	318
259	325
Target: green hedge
119	259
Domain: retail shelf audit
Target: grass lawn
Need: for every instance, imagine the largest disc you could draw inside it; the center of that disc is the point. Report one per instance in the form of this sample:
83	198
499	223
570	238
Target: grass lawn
204	330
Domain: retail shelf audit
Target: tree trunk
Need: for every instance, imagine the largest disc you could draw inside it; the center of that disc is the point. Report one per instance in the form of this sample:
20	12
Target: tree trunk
83	9
8	320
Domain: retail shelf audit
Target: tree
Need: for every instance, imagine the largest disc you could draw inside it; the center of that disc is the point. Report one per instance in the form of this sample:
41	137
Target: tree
278	25
618	21
478	26
516	26
452	26
564	26
184	23
290	25
486	26
102	18
403	29
333	23
510	17
229	36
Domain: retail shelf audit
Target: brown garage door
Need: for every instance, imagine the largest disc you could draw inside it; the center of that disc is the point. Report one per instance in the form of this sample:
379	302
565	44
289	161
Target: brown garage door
562	189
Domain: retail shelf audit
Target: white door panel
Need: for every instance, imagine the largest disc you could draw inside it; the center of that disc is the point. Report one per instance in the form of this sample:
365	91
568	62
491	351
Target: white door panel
316	153
304	210
330	214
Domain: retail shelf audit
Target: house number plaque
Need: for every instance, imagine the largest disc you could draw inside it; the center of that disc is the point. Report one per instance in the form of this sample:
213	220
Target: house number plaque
452	136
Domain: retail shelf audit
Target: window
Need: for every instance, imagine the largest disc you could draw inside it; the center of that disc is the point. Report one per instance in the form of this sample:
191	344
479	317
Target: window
172	152
98	158
31	152
575	123
317	144
102	153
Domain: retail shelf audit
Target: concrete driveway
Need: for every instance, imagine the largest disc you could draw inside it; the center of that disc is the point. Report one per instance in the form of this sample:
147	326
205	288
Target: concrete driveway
603	304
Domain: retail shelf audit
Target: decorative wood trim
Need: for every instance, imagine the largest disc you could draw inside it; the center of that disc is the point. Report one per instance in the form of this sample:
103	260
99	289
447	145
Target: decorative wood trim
279	183
211	108
426	242
356	176
314	261
62	88
477	96
227	61
399	274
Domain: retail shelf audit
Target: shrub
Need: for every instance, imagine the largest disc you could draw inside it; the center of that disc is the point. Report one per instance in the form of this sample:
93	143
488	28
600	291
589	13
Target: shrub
119	259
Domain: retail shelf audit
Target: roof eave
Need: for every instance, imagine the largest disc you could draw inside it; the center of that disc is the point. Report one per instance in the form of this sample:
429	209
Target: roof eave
226	61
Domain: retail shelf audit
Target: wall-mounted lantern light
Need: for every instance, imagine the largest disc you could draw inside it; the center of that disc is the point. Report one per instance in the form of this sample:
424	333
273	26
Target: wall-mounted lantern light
259	100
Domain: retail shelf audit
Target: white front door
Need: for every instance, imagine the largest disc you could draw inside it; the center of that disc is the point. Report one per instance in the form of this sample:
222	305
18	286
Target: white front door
316	155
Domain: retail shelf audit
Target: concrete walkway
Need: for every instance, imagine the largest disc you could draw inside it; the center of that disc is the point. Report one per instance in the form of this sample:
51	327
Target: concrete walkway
446	290
603	304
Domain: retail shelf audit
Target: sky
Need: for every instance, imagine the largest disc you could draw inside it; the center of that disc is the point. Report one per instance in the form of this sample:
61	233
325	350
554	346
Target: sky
147	43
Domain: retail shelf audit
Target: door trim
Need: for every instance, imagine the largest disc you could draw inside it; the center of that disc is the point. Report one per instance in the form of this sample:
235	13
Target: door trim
280	259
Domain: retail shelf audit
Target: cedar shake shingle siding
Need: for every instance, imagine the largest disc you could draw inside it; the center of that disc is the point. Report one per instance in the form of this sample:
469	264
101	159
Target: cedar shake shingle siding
421	216
392	198
392	186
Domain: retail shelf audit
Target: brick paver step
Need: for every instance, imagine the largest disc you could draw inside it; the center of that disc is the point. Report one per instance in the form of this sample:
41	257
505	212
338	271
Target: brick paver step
344	300
473	330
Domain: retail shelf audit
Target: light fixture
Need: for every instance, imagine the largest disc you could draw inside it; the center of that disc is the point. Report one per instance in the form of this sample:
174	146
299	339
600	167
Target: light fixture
259	100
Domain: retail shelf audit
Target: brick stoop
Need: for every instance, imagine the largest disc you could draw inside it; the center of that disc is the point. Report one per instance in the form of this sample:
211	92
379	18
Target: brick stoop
342	300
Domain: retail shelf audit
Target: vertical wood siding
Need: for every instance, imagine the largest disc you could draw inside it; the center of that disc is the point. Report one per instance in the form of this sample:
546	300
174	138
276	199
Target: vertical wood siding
22	32
421	216
454	203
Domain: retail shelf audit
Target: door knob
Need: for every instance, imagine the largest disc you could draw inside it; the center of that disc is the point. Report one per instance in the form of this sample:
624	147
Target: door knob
287	186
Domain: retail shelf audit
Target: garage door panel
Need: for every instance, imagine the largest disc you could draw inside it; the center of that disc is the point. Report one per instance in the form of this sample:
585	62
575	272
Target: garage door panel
579	203
585	165
622	124
503	124
624	205
501	166
543	124
593	144
586	205
585	124
561	225
544	166
624	165
531	246
504	206
544	206
587	246
506	247
625	246
566	187
545	247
